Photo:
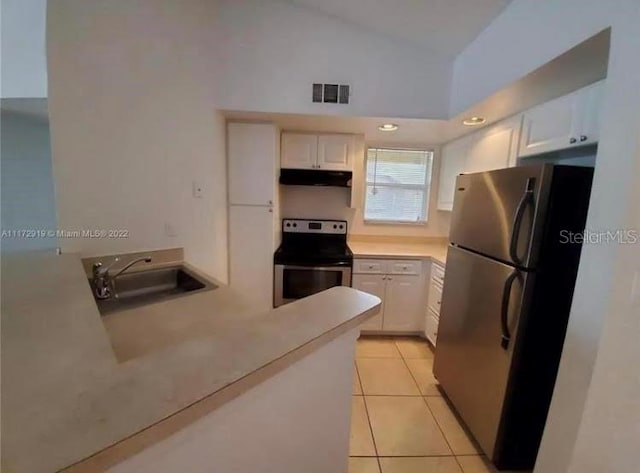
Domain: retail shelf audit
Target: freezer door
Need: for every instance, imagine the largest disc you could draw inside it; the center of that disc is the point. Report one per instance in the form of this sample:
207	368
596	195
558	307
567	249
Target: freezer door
481	307
501	213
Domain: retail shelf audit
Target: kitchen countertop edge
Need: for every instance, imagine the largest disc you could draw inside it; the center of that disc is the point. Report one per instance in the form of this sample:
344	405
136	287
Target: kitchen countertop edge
434	251
128	447
73	292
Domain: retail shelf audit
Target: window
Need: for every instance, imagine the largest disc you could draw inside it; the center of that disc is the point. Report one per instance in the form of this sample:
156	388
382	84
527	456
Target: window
398	182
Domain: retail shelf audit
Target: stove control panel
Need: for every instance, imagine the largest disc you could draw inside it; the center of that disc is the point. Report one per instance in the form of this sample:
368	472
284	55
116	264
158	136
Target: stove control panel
331	227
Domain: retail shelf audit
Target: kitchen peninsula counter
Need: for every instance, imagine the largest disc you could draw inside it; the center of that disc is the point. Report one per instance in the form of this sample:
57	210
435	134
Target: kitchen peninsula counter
81	392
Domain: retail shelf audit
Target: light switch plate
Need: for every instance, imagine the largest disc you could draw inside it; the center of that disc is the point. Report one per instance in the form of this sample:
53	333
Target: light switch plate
170	230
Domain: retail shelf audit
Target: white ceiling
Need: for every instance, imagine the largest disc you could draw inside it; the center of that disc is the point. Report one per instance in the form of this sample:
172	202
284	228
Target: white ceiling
443	26
580	66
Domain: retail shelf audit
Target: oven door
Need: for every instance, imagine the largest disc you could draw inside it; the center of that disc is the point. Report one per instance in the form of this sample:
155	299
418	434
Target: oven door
292	282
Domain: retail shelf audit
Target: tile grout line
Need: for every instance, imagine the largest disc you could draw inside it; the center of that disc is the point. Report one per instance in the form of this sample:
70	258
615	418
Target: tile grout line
423	396
432	414
404	360
373	437
355	365
366	410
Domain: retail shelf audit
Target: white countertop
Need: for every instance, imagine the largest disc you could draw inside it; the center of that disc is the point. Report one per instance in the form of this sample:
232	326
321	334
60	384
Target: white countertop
75	384
399	248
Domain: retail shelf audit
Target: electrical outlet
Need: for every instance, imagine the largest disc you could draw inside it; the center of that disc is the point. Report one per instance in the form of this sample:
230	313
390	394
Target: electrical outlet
198	189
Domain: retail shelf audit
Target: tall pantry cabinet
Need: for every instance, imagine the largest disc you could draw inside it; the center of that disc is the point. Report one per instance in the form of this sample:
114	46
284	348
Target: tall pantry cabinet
253	158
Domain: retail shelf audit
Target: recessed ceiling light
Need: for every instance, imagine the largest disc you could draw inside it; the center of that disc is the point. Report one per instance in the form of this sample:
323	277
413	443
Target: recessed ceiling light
388	127
472	121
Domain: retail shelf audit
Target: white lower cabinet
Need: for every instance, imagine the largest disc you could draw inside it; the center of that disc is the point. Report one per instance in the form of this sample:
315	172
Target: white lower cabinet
403	296
250	258
432	314
431	327
373	284
400	286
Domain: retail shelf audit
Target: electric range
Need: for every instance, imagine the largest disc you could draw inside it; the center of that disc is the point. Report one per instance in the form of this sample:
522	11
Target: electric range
313	256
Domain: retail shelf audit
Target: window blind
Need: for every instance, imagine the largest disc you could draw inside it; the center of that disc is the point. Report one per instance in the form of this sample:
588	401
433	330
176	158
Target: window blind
398	182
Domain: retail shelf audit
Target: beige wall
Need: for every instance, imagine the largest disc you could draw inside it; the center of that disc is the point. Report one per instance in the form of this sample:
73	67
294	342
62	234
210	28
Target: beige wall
609	433
133	124
273	50
337	203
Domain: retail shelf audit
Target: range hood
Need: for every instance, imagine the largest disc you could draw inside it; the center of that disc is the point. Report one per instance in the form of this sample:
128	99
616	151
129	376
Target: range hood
307	177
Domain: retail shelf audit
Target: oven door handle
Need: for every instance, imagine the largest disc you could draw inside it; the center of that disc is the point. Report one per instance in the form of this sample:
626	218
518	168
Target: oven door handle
336	267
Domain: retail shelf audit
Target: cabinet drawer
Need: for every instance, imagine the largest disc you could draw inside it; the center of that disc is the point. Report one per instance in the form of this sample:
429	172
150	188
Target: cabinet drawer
431	328
437	273
404	267
435	296
369	266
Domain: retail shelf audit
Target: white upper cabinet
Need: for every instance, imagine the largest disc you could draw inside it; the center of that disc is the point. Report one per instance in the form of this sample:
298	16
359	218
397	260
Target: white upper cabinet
491	148
549	127
332	152
299	151
495	147
335	152
252	167
566	122
590	107
452	161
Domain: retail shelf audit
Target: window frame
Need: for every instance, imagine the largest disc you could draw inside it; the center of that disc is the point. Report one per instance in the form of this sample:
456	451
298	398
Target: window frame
425	187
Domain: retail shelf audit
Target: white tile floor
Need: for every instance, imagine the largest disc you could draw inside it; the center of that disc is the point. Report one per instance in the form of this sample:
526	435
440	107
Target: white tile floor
400	421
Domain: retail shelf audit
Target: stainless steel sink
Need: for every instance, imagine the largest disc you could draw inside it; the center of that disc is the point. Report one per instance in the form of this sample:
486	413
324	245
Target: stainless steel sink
141	288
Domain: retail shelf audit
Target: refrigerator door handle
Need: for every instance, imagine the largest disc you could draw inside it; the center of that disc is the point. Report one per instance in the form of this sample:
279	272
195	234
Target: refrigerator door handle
527	198
504	310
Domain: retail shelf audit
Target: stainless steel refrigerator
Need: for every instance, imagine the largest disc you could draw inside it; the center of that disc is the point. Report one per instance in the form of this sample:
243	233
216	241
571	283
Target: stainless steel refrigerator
510	274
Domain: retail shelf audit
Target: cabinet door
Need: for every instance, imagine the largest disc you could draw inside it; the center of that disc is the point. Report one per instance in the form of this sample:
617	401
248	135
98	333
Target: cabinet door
299	151
431	327
372	284
253	162
251	258
590	105
404	304
335	152
550	126
453	158
494	148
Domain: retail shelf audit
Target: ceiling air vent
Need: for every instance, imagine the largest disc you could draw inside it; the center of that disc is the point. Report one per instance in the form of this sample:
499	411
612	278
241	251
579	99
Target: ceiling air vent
317	92
330	93
343	95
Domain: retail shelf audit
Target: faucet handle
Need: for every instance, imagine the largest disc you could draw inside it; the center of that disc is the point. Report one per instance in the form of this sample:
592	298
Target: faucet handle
100	270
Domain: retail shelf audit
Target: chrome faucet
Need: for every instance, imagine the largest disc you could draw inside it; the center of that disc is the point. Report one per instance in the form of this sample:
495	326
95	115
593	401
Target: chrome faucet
103	281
